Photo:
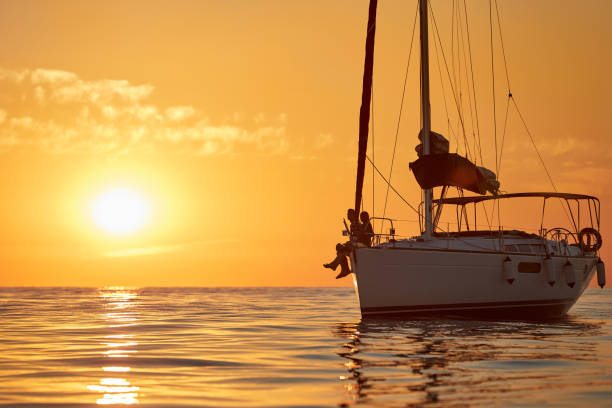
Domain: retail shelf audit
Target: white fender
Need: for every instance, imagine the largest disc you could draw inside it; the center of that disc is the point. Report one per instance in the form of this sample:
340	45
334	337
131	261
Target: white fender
509	271
549	268
569	272
601	273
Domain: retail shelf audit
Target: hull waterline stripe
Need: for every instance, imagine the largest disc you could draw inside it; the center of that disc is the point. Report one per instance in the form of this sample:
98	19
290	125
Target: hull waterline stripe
465	306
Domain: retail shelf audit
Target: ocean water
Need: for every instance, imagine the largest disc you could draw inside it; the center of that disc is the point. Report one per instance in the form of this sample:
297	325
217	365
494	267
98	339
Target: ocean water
288	347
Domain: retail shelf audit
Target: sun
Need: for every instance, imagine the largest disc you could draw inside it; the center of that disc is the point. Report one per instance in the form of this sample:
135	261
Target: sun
121	211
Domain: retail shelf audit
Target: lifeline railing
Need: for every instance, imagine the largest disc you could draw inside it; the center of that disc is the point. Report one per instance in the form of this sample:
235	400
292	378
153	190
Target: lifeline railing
390	236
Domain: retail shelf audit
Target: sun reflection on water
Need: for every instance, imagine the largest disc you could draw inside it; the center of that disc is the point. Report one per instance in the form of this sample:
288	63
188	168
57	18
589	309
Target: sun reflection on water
119	303
116	369
123	398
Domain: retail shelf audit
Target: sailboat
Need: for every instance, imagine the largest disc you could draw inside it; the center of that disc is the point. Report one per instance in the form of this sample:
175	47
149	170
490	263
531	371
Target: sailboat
467	271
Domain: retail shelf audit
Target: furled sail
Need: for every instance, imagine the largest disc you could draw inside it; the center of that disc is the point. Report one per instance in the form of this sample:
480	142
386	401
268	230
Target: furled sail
441	168
366	95
438	144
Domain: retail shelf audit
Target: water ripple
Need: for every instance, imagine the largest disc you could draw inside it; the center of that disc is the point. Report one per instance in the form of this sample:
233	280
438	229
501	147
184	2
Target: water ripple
287	347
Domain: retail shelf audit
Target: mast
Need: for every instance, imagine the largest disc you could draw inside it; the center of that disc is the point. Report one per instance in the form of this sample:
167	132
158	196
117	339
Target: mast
366	96
425	108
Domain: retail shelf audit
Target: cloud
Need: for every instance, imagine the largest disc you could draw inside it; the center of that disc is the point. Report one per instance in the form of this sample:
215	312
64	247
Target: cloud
154	250
49	76
59	112
323	140
163	249
178	113
576	165
13	76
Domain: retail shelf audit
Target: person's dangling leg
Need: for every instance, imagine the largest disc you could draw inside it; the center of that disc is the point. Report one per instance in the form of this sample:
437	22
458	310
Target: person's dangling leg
344	268
339	255
334	264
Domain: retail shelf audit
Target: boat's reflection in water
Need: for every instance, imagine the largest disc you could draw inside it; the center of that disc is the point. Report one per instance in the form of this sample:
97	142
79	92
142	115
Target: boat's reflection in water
450	362
118	346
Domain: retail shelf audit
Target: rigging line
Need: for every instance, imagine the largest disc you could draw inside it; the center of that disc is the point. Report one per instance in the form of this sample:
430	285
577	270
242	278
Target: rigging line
458	41
372	125
498	213
484	208
533	143
467	84
453	42
468	91
500	157
455	38
493	80
516	227
467	30
540	156
458	68
399	118
468	153
494	109
421	216
501	149
450	128
460	56
501	39
392	188
510	97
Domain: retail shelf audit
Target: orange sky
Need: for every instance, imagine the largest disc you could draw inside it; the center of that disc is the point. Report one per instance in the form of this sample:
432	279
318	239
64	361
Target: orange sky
238	121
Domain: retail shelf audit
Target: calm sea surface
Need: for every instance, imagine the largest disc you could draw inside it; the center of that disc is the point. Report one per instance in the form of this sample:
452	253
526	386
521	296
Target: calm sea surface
189	347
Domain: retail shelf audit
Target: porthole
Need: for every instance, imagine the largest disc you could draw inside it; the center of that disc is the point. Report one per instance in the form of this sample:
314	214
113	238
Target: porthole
529	267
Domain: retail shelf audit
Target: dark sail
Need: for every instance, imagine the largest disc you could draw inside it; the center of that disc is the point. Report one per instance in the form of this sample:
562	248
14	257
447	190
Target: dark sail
366	95
450	169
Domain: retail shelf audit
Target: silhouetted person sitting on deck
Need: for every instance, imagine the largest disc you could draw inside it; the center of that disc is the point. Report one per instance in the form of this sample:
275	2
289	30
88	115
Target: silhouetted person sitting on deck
355	225
367	232
341	259
344	250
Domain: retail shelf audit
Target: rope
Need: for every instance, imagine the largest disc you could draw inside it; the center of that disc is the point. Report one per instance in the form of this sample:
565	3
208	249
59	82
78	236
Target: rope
494	105
511	98
462	42
540	157
453	43
460	53
493	80
372	125
467	32
448	121
467	29
501	149
501	39
533	144
390	186
468	153
461	67
399	118
484	208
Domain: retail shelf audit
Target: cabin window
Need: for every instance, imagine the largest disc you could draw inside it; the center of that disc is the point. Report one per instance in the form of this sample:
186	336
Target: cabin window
529	267
538	249
524	248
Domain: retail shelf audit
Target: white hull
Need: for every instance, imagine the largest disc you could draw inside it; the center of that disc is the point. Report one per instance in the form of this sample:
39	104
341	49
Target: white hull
442	281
